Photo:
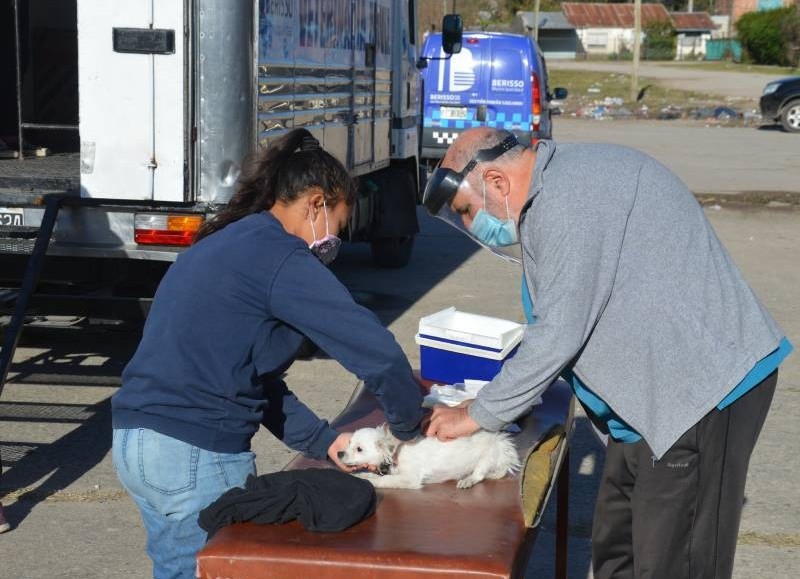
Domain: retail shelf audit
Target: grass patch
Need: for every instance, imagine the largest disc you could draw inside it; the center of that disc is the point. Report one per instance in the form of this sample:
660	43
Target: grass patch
724	66
780	540
581	85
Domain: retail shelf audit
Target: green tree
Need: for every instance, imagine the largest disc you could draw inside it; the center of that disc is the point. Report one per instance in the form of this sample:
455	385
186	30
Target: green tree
790	30
763	36
659	40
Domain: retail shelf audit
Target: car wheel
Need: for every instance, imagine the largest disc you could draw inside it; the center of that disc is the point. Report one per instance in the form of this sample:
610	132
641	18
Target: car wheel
790	117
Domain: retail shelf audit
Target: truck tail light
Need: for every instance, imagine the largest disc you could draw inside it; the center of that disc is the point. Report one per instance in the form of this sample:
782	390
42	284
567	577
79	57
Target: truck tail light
165	228
536	101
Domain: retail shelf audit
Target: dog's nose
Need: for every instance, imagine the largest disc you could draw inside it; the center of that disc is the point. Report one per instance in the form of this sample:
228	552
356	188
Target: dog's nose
340	454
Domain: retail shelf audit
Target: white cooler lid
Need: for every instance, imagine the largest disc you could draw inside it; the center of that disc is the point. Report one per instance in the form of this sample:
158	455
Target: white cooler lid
471	329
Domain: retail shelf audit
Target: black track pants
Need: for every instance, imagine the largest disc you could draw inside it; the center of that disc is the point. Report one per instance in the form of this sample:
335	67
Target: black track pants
678	517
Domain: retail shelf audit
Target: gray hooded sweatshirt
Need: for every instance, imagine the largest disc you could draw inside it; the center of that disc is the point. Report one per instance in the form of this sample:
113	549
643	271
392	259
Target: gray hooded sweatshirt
633	291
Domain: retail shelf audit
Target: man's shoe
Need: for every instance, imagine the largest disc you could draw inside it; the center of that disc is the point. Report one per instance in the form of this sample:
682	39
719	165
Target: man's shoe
4	526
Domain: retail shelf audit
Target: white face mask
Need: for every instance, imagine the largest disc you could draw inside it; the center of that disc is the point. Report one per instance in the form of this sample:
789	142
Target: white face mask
327	248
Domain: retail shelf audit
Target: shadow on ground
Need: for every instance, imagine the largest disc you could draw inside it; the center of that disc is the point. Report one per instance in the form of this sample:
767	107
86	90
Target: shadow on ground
438	251
586	466
64	358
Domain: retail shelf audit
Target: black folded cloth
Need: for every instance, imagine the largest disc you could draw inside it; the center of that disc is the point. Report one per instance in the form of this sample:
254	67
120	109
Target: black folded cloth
323	499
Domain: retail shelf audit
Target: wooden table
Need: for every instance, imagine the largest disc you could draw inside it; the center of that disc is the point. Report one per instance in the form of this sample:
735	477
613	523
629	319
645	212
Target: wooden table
438	531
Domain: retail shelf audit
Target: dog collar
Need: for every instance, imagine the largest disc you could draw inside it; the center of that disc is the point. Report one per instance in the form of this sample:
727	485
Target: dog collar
385	467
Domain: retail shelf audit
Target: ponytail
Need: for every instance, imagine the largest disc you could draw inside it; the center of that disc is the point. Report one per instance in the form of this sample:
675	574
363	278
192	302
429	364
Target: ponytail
283	172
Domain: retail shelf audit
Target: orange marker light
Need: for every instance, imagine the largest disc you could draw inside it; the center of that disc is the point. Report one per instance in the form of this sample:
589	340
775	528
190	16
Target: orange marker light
165	229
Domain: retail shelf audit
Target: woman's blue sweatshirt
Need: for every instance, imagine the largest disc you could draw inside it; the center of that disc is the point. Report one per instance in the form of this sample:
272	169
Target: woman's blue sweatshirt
226	323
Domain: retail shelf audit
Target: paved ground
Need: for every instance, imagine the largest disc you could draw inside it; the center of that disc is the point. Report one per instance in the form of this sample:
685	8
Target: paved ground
72	520
708	159
735	84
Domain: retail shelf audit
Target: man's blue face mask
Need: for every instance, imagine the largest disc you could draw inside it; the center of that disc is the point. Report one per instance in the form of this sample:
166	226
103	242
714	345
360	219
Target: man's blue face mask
498	235
491	230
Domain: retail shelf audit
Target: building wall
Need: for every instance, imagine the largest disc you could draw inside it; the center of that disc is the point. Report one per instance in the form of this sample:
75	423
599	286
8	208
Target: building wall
737	8
741	7
691	44
605	40
724	27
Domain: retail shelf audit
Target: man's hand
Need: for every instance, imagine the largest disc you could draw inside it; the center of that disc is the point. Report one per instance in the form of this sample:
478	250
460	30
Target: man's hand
447	423
340	444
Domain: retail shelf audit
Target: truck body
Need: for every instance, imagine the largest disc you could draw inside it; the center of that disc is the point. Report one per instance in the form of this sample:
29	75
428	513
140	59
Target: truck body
497	80
174	95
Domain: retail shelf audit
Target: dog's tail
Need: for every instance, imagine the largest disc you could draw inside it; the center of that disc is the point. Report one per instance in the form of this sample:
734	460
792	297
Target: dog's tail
507	454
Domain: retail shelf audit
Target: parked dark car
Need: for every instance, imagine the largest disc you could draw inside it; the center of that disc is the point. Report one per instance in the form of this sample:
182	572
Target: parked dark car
781	103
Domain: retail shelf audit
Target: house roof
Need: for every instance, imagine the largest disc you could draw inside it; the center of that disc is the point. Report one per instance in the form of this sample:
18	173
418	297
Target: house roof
689	21
586	15
547	20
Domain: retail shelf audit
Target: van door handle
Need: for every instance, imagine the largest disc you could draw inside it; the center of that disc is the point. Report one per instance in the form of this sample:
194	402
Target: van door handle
482	113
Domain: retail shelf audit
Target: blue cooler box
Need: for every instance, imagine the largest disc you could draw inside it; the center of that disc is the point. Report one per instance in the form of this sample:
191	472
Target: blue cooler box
455	346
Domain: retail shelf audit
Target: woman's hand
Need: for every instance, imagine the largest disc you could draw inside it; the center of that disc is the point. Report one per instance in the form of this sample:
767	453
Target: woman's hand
340	444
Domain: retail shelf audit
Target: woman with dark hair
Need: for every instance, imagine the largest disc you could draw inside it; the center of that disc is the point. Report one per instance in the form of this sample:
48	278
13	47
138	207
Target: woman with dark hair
226	323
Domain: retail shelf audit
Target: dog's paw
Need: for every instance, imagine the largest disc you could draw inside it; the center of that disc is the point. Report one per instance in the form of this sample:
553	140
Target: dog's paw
465	483
365	475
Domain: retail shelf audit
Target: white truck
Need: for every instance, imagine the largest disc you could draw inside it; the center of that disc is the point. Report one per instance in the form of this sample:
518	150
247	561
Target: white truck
173	95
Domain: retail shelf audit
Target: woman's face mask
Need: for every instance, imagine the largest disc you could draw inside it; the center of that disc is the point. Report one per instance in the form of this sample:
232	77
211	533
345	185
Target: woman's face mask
327	248
491	230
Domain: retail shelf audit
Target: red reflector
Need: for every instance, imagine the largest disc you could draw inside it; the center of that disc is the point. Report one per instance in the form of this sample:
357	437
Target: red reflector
536	105
472	41
157	237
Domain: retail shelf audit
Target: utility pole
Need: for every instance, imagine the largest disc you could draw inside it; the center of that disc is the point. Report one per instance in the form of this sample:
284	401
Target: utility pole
536	21
637	34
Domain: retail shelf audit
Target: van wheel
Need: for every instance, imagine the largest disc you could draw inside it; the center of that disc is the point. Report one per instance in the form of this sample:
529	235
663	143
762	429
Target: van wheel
790	117
392	251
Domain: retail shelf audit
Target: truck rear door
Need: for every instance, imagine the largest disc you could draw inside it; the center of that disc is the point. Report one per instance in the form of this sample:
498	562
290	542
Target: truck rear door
132	111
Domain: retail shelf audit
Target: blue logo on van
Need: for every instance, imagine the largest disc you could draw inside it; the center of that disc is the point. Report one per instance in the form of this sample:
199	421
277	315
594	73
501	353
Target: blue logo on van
458	71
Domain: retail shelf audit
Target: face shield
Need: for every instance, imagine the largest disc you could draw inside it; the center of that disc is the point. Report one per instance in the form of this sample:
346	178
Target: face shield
442	188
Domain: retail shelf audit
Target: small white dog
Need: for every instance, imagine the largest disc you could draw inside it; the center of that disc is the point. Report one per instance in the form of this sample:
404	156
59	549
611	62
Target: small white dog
409	465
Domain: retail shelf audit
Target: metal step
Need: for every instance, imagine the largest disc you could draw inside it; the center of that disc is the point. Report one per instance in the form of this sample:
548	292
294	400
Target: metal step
17	238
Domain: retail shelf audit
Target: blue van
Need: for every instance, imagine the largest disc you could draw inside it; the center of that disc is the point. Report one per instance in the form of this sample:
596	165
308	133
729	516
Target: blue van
497	79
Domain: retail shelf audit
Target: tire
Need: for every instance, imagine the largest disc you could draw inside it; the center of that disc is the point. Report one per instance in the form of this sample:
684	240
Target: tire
790	117
392	252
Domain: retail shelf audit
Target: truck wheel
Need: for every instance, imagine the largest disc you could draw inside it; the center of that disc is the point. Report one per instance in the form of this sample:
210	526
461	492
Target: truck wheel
790	117
392	251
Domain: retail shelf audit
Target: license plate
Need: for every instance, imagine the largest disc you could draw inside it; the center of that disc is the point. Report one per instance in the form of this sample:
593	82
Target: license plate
454	113
11	217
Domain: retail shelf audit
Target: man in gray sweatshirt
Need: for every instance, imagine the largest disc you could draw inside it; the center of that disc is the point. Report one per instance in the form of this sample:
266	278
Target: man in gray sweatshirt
639	306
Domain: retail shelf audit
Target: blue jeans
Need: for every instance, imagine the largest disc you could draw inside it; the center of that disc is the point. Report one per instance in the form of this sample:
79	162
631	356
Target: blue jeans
171	482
